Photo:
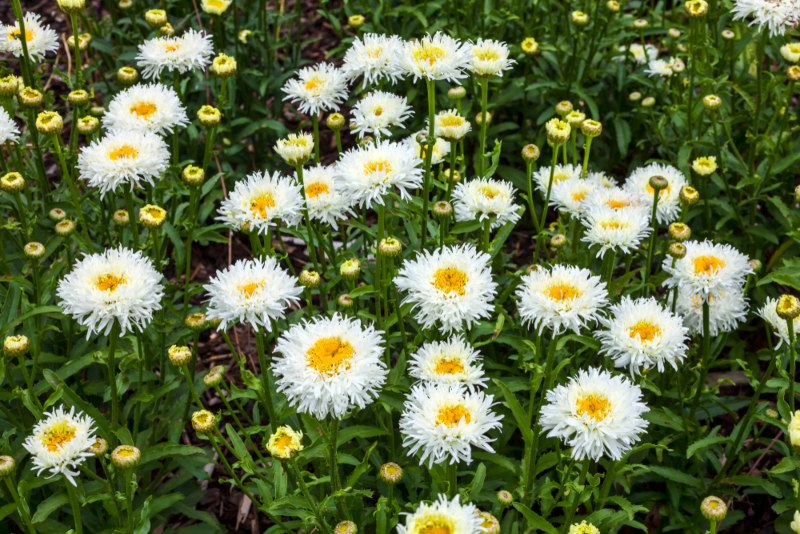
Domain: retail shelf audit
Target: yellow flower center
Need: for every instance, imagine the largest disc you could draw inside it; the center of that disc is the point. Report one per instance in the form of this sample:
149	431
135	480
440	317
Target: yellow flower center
562	291
613	225
707	265
374	52
316	189
329	354
125	151
15	34
378	111
579	196
261	204
486	55
125	452
283	442
378	166
172	47
58	435
595	406
645	330
429	54
144	109
434	523
450	416
451	121
219	4
314	86
559	176
617	204
489	191
109	282
450	280
664	192
449	366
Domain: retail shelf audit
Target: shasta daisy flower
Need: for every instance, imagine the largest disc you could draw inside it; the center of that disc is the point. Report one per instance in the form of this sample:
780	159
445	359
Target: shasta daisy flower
641	54
570	194
118	285
596	413
564	297
669	201
664	68
444	422
368	173
61	442
442	516
255	291
614	198
617	230
451	286
541	177
322	87
707	267
450	125
328	366
190	51
490	58
152	107
8	128
124	158
373	57
727	308
642	335
778	323
484	198
326	199
262	201
453	361
441	148
379	111
775	16
437	57
39	38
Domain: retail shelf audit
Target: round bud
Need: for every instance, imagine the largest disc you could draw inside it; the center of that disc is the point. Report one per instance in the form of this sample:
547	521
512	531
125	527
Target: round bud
310	279
755	265
391	473
285	442
658	182
705	165
78	97
125	4
640	24
479	118
635	96
152	216
675	33
12	182
345	527
451	175
366	140
677	250
179	355
9	85
209	116
579	18
127	76
196	322
793	73
574	118
489	523
712	102
335	121
390	247
613	6
97	111
49	122
355	21
34	250
558	131
728	34
689	195
564	107
15	346
529	46
223	66
442	210
125	457
71	6
88	125
57	214
30	98
350	269
680	231
214	377
345	301
83	42
591	128
558	241
788	307
456	93
244	35
193	175
121	218
99	447
65	227
696	9
155	18
166	30
530	153
7	466
204	421
648	102
505	498
713	508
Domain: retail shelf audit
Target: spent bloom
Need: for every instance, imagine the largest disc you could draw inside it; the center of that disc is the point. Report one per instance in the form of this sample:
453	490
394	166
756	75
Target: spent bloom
322	87
190	51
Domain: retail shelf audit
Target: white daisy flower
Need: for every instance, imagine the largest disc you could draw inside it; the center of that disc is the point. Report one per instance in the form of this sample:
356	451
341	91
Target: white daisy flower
617	230
614	198
39	38
564	297
727	308
451	286
450	125
569	195
118	285
328	366
379	111
453	361
641	54
669	200
707	267
490	58
326	199
322	87
437	57
124	158
152	107
190	51
776	16
60	442
596	413
484	198
255	291
441	148
8	128
642	335
778	323
541	177
368	173
443	516
262	201
444	422
664	68
373	57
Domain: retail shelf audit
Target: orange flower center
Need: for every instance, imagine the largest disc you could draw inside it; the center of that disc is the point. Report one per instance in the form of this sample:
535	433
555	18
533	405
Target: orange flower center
595	406
172	47
434	523
261	204
451	121
15	34
489	191
329	354
451	416
58	435
707	265
109	282
561	292
450	280
316	189
449	366
645	330
125	151
248	289
429	54
144	109
379	166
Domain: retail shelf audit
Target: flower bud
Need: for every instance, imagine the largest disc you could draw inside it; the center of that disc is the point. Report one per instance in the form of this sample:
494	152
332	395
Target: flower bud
489	523
505	498
558	241
689	195
530	153
712	102
591	128
335	121
97	111
613	6
648	102
285	442
583	528
204	421
345	301
579	18
57	214
83	42
9	85
345	527
78	98
209	116
71	6
675	33
696	9
658	183
479	118
34	250
223	66
788	307
193	175
126	457
529	46
49	122
793	73
728	34
16	346
677	250
7	466
127	76
391	473
166	30
791	52
558	131
152	216
88	125
635	96
310	279
713	508
155	18
797	193
456	93
125	4
794	430
179	355
705	166
755	266
99	447
563	107
121	218
244	35
29	97
350	269
451	175
12	182
214	377
442	210
196	322
296	148
390	247
355	21
640	24
65	227
680	231
574	118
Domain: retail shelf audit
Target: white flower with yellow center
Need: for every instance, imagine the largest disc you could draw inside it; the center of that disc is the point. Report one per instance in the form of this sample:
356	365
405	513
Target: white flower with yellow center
255	291
791	52
60	442
326	199
369	173
262	201
441	148
583	528
616	230
8	128
570	195
707	267
437	57
124	158
775	16
669	200
642	335
151	107
483	198
285	442
373	57
778	323
564	297
453	361
444	422
664	68
641	55
490	58
450	125
190	51
329	366
442	516
614	198
379	111
322	87
541	177
215	7
118	285
39	38
727	308
596	413
295	148
450	286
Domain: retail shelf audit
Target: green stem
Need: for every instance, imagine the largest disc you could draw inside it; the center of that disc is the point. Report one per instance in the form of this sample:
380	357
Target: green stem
315	120
545	209
265	382
426	180
73	17
653	234
72	494
134	222
452	480
481	167
112	380
705	357
792	361
586	151
21	509
312	253
129	499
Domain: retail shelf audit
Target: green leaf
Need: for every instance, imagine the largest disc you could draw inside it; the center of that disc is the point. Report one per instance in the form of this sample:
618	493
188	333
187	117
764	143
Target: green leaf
50	505
676	475
520	415
156	452
535	520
